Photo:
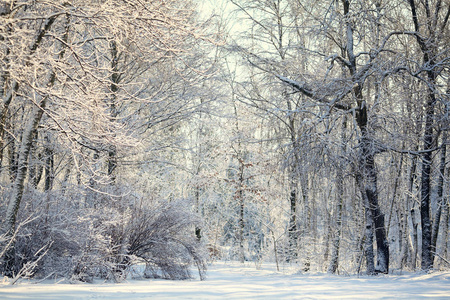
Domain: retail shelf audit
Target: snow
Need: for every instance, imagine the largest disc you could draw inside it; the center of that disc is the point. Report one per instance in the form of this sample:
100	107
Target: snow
230	280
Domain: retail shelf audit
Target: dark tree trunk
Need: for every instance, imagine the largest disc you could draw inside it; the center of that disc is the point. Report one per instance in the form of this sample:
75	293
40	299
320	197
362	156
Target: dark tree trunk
427	262
368	241
369	181
49	166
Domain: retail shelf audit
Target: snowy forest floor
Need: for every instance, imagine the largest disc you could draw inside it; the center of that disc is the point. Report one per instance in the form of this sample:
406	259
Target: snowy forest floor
231	280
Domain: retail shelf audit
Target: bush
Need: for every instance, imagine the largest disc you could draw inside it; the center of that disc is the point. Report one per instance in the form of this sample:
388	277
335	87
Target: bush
107	239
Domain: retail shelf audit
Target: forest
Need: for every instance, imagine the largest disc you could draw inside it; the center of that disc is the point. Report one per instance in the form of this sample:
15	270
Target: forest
166	135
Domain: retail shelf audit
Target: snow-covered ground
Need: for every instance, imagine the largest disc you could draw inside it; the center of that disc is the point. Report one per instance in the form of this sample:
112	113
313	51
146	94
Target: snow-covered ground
233	281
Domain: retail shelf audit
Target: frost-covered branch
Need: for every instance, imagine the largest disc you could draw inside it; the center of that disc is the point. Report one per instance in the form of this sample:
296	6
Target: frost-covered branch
304	89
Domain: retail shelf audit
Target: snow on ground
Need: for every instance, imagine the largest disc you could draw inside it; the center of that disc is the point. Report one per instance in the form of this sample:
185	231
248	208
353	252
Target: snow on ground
228	280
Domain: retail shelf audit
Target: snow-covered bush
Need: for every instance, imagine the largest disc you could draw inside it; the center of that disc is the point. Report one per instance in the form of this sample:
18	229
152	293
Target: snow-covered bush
164	238
84	241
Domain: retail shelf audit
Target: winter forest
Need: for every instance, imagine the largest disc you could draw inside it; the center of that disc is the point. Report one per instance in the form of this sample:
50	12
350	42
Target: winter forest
165	135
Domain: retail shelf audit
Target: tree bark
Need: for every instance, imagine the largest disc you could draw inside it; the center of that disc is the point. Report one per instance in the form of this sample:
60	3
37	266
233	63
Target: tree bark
440	193
445	221
241	224
115	80
427	262
368	241
293	230
293	184
293	195
49	166
334	261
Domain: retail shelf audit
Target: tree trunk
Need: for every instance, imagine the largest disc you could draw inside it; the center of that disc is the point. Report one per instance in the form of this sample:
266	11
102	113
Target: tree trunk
408	212
115	80
427	262
13	154
49	166
241	223
403	240
445	221
440	193
415	241
292	230
370	189
368	241
413	184
334	262
307	227
293	181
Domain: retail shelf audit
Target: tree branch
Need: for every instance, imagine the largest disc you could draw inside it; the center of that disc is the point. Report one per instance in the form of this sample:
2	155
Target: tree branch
302	88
